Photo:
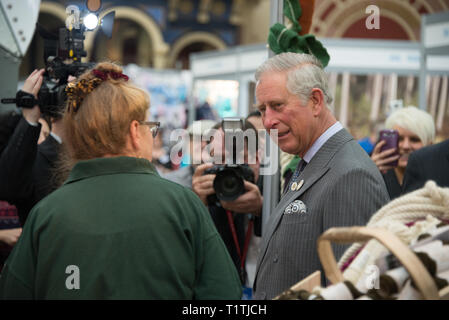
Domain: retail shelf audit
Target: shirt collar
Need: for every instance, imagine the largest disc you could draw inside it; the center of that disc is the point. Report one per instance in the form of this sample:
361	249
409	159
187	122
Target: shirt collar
111	165
56	137
322	140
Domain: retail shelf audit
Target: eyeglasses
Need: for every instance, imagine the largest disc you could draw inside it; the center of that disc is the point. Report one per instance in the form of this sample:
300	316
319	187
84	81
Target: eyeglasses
154	126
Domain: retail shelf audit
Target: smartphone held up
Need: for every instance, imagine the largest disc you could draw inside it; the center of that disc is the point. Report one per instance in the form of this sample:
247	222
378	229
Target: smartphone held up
391	138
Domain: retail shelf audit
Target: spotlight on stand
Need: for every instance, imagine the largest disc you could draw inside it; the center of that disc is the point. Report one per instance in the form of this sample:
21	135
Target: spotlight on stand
90	21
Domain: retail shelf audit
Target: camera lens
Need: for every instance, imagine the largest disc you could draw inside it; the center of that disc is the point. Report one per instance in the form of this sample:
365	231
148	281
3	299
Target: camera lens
228	185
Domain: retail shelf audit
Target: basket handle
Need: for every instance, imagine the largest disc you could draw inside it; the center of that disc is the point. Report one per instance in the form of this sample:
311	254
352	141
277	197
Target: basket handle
405	255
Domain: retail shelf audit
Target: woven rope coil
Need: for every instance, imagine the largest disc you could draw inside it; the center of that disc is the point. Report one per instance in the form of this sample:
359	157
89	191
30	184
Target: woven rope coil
426	205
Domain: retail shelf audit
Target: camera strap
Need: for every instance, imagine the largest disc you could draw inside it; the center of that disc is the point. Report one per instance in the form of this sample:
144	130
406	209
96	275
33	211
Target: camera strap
242	255
25	99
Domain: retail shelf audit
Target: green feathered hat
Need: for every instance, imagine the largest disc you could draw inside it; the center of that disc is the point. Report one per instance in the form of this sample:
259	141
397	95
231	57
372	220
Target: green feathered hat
290	38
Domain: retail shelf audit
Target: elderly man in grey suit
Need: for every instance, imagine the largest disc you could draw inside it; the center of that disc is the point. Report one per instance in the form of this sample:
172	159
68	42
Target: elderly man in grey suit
335	184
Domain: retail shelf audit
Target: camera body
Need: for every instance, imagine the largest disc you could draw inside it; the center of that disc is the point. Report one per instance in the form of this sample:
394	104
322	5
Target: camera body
67	46
57	49
229	181
62	57
52	96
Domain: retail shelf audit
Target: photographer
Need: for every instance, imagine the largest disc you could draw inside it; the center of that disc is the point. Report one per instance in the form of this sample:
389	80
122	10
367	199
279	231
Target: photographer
184	174
25	166
231	217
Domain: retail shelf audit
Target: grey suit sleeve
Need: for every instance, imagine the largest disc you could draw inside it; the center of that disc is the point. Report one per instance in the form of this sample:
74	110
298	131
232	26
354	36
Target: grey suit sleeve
352	200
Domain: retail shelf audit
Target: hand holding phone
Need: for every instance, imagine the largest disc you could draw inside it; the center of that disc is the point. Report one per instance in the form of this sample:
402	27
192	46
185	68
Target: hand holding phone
386	151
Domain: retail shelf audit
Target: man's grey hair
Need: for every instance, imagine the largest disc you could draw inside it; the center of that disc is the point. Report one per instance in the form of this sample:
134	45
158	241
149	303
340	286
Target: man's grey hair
305	72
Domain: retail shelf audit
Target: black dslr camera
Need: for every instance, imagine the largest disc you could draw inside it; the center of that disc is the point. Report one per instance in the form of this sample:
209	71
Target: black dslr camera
228	182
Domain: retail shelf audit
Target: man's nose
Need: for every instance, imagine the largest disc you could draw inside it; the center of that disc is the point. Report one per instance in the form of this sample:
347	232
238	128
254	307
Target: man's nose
269	119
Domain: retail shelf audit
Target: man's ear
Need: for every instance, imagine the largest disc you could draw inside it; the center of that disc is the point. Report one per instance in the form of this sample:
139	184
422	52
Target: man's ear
317	98
135	136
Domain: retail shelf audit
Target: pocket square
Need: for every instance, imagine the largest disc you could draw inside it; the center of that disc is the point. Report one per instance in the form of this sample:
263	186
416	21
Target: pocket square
296	206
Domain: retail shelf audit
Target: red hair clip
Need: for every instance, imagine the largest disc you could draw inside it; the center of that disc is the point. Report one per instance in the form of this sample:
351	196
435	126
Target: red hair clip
103	75
115	75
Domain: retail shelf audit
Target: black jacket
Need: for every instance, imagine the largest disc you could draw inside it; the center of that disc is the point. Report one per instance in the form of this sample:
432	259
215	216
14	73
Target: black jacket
26	168
392	183
220	218
8	123
221	222
428	163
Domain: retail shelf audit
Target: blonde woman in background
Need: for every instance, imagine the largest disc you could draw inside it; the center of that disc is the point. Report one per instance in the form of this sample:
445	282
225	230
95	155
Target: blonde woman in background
416	129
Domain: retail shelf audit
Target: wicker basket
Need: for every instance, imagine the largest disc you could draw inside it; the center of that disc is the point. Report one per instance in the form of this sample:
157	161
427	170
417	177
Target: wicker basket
403	253
421	277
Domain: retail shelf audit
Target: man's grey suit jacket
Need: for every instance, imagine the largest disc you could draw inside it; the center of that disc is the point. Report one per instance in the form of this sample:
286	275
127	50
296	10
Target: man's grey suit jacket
342	187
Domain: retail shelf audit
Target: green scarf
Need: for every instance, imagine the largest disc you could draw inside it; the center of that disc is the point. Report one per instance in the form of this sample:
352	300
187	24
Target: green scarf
291	166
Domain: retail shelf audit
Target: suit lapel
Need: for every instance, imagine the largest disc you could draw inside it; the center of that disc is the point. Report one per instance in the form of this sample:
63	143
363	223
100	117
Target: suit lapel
310	175
314	171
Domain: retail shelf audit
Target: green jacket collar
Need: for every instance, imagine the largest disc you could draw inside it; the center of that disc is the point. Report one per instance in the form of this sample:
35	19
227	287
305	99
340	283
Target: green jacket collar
113	165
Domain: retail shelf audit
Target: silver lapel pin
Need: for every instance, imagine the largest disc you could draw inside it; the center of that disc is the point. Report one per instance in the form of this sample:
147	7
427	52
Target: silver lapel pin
299	185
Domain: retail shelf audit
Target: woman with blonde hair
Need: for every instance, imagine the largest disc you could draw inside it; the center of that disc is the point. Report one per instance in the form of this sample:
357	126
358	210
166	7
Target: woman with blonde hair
416	129
115	229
